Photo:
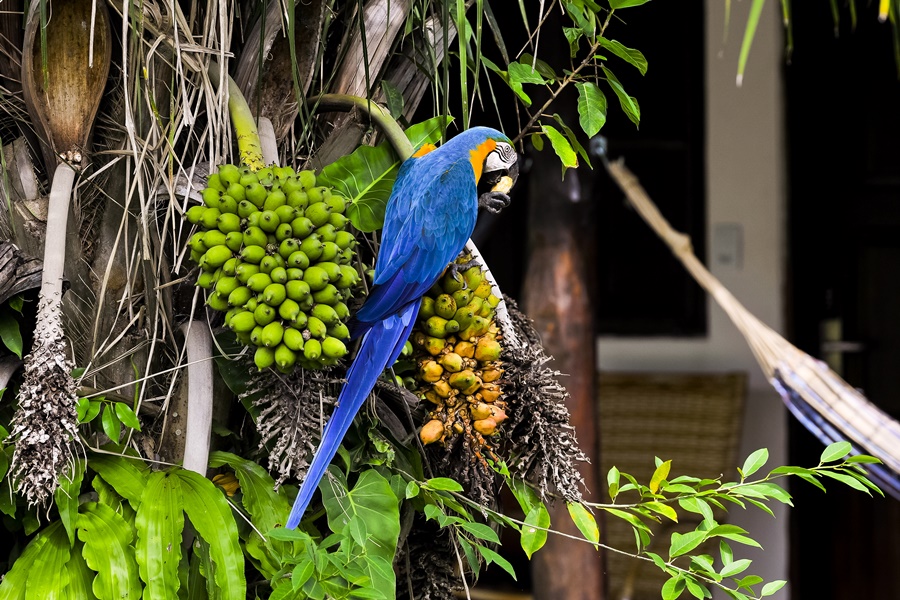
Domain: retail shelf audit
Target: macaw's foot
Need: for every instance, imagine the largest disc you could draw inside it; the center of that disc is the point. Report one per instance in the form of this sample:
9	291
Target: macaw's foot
493	201
455	269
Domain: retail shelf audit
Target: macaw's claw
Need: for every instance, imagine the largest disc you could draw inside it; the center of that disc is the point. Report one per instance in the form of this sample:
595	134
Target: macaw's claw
493	201
455	269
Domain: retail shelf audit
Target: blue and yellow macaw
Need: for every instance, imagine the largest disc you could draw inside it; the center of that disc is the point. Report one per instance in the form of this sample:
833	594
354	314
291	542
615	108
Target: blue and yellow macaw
430	215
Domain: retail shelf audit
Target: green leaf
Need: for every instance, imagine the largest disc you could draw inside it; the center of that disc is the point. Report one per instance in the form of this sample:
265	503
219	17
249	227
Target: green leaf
561	146
662	509
592	108
772	587
372	500
632	519
628	103
366	176
534	532
159	523
393	98
93	410
749	33
864	458
481	531
443	483
659	475
735	567
80	576
10	334
14	582
107	550
126	415
697	505
492	557
768	490
521	72
673	588
835	451
684	543
268	508
629	55
112	427
122	474
525	496
47	575
412	490
848	480
211	516
584	521
302	572
66	497
617	4
573	36
573	140
754	462
725	552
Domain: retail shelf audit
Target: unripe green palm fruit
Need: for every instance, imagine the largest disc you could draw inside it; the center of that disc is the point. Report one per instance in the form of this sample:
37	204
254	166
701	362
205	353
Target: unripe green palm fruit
319	194
228	205
239	296
287	247
330	252
284	358
231	314
234	240
452	326
307	179
293	339
332	269
275	199
291	184
294	273
338	221
243	322
211	197
318	213
274	294
230	267
333	347
252	220
487	350
255	335
226	285
445	306
342	311
316	327
236	191
253	254
316	277
217	302
302	227
213	238
269	221
265	176
272	334
245	209
484	289
340	331
247	179
244	271
288	310
337	203
196	256
264	314
268	263
217	256
436	327
279	275
426	310
464	316
298	259
206	280
251	304
286	214
256	194
473	277
297	290
327	295
312	247
344	240
196	242
487	311
312	349
298	199
326	314
259	282
462	297
450	284
348	277
215	182
229	174
264	357
475	304
194	214
346	257
255	236
283	232
326	232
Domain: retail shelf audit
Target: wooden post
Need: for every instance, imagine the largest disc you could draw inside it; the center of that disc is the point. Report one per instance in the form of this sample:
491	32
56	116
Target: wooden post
555	296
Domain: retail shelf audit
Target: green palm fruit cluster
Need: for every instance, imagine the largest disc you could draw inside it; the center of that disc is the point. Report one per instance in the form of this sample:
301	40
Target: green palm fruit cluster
457	347
275	252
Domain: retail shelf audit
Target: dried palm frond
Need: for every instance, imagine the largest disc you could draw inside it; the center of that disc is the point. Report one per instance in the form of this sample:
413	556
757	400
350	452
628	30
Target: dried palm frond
826	404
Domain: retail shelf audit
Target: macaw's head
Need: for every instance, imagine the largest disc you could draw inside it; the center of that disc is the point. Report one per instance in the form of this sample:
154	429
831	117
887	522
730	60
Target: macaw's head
491	153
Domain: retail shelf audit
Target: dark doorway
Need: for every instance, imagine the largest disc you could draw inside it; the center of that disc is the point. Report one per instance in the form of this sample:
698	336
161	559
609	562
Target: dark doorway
843	118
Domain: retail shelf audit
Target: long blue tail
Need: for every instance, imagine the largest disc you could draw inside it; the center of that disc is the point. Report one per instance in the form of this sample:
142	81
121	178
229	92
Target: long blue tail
380	347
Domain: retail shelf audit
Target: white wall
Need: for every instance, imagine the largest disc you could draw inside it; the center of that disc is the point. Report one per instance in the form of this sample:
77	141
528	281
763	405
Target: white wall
745	168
